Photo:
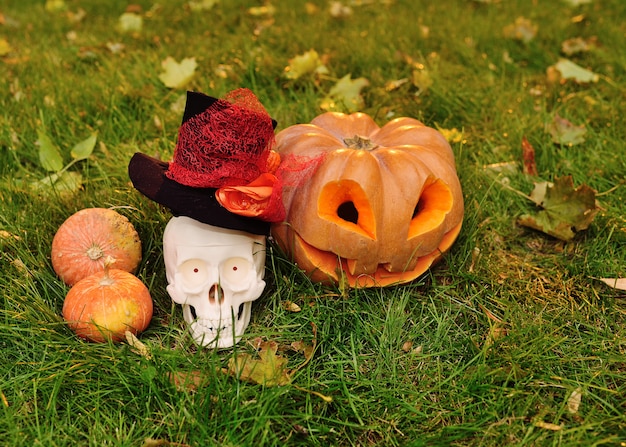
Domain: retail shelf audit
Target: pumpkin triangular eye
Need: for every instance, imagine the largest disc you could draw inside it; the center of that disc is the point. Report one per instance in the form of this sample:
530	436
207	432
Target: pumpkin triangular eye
434	203
345	204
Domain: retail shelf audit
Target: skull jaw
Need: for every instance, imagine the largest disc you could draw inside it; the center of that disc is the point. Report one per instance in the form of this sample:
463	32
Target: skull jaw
218	333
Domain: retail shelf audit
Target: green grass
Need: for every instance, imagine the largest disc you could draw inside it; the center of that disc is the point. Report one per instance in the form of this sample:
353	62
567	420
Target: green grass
453	383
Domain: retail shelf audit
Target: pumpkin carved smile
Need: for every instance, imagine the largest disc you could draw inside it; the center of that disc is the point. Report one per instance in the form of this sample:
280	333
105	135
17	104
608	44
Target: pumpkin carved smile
381	207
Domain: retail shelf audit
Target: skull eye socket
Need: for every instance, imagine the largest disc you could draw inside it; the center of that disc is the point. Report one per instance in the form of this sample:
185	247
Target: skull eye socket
235	270
194	272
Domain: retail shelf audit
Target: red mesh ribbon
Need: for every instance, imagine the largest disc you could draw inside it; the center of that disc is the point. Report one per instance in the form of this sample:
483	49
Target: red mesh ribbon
228	144
294	171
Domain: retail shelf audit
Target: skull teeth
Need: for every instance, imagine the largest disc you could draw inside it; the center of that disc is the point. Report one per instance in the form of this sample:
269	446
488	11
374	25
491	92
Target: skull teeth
213	325
203	321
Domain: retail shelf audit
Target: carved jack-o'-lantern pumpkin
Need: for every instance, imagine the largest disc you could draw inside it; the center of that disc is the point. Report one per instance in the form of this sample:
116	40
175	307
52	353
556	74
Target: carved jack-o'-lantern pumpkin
381	205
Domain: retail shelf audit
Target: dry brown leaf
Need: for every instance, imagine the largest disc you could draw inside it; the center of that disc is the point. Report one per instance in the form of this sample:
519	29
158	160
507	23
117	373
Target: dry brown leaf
573	402
306	349
565	132
5	235
338	10
130	22
395	84
137	346
567	69
311	8
522	29
267	368
528	156
265	10
616	283
270	369
548	425
188	380
202	5
578	45
5	47
150	442
291	306
565	210
504	167
422	80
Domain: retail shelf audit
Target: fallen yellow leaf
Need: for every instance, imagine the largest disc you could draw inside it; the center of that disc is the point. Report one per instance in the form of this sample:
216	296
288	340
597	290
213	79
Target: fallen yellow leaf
5	48
573	402
177	75
548	426
291	306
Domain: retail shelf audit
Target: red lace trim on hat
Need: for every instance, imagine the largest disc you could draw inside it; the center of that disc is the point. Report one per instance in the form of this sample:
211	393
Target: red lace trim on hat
228	144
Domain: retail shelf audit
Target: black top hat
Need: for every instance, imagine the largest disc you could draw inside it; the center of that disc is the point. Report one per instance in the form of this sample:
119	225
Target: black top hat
221	143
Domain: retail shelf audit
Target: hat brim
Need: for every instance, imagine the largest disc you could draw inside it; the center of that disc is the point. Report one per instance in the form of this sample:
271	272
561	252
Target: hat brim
148	177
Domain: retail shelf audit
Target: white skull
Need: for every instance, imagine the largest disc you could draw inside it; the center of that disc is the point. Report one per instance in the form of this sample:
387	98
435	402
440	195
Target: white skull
215	274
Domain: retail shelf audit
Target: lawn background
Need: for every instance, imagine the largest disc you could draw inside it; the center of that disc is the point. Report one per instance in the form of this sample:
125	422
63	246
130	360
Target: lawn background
485	349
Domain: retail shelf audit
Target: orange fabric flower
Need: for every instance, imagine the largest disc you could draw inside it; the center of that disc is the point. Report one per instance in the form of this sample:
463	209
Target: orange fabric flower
256	199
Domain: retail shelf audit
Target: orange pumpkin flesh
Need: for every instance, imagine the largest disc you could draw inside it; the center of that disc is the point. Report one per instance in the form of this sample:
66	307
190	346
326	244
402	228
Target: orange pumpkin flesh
383	205
86	238
105	305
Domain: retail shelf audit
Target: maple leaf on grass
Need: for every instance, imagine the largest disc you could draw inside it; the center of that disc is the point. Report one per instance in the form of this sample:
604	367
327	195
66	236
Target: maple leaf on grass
267	368
304	64
270	369
565	210
345	95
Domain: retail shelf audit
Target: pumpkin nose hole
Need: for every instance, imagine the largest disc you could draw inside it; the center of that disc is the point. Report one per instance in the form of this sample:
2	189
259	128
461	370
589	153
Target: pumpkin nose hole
216	294
418	208
434	204
348	212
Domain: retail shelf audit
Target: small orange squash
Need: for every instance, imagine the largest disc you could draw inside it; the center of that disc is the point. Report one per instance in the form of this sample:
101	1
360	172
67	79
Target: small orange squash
106	304
86	238
383	204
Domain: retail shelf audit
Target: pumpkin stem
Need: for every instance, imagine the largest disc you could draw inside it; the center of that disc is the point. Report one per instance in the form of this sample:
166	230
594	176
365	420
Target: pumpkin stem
107	280
95	252
360	143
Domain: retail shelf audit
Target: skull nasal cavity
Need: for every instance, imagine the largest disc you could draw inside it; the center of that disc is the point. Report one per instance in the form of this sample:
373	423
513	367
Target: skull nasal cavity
216	294
347	211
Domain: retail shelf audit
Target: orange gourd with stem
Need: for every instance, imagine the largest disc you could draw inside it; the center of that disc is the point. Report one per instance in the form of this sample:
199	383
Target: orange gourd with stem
105	305
83	242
